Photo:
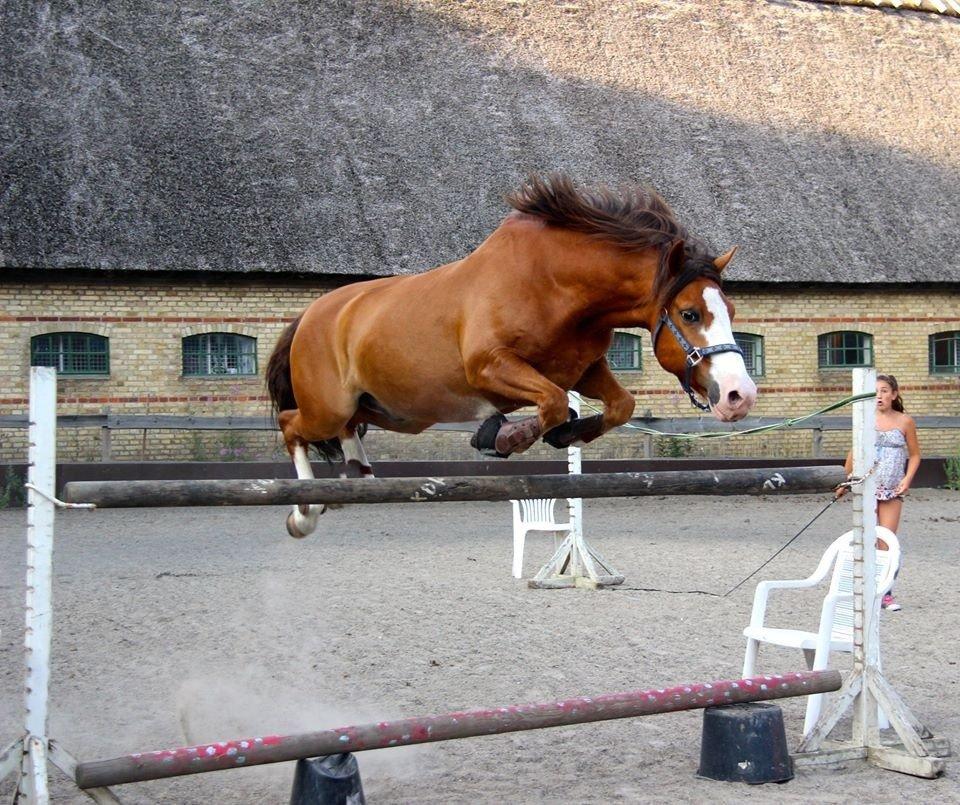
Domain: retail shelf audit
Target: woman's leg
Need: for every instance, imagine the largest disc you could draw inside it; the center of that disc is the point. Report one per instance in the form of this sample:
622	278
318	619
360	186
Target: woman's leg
888	514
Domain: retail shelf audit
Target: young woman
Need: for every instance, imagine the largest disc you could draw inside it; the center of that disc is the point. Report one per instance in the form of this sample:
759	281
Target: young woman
898	459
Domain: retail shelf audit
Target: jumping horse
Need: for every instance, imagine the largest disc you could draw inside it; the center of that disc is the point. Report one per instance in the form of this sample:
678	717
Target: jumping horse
527	316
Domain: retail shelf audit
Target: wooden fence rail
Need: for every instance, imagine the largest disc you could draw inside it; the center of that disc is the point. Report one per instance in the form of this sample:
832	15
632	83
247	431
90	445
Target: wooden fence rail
669	426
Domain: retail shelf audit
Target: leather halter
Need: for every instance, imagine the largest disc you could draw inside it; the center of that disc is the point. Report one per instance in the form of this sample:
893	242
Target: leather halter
694	354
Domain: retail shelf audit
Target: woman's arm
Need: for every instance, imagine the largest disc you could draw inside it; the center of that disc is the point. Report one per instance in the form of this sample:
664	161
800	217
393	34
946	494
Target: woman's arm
913	455
840	491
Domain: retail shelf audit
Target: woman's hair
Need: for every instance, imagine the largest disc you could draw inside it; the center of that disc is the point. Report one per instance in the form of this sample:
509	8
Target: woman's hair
891	381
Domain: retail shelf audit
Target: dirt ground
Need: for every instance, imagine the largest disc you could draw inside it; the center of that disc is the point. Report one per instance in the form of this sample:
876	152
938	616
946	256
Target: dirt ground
177	626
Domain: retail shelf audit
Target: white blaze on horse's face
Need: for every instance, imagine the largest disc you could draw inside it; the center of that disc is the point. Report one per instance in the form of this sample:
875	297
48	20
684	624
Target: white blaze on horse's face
735	392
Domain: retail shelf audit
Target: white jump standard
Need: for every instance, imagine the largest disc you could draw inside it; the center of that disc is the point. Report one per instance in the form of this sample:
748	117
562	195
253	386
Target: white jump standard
920	754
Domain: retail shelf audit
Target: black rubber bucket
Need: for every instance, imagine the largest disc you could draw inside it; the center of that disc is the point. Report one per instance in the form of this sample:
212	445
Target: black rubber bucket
331	780
745	743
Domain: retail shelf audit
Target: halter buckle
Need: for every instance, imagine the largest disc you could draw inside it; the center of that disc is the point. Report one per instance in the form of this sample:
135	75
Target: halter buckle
694	356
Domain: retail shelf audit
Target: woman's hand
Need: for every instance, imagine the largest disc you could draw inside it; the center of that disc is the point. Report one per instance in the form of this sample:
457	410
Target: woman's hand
902	488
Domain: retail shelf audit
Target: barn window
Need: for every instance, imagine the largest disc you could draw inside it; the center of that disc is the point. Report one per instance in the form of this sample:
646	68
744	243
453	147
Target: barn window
624	353
752	346
71	353
845	348
219	354
945	353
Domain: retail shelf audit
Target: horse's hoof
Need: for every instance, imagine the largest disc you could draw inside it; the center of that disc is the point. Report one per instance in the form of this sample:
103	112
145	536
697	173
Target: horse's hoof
573	430
562	435
517	436
292	529
485	438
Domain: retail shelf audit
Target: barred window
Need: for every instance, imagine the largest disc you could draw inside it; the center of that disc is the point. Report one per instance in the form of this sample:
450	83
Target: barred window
845	348
219	354
624	353
752	346
71	353
945	353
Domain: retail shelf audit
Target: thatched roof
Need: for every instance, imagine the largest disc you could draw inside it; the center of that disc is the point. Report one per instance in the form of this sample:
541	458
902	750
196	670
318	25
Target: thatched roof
379	136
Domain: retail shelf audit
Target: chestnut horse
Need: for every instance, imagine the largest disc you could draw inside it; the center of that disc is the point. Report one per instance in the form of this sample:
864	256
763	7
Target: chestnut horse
526	317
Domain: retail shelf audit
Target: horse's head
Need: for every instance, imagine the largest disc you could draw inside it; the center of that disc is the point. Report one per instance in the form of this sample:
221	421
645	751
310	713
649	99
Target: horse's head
693	337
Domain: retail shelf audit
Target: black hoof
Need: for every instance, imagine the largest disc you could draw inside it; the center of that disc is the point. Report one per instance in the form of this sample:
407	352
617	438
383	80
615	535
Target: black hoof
551	436
573	430
485	439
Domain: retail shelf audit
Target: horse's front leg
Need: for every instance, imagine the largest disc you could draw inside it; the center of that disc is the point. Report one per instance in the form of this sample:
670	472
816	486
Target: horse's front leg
597	383
503	373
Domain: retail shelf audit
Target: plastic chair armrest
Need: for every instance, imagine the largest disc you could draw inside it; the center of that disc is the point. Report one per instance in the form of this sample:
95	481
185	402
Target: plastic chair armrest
762	594
789	584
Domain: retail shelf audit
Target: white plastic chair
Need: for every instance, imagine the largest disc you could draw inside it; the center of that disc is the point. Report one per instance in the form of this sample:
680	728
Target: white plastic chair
835	632
533	515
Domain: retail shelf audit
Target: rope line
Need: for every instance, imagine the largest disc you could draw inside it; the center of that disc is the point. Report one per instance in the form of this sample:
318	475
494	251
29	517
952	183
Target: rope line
742	581
782	549
786	423
850	482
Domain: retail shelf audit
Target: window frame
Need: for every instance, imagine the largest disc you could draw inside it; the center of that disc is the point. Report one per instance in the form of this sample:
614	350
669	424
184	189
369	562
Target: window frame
209	353
945	336
754	340
866	346
635	347
63	355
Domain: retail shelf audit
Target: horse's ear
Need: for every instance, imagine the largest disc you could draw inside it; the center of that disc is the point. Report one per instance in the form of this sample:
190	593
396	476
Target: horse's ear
724	259
675	258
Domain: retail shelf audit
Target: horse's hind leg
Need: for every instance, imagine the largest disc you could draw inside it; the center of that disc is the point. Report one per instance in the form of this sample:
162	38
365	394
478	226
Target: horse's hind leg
354	454
302	520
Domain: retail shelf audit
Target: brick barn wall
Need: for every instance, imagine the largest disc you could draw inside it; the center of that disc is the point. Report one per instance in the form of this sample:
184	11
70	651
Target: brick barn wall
146	319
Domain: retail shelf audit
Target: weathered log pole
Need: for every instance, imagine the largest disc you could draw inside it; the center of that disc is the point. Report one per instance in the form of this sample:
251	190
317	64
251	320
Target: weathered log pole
447	727
136	494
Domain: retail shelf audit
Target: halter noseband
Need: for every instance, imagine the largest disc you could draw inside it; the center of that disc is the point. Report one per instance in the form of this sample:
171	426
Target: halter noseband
694	354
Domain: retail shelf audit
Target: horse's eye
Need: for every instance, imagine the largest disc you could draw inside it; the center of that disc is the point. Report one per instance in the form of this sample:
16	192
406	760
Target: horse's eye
690	316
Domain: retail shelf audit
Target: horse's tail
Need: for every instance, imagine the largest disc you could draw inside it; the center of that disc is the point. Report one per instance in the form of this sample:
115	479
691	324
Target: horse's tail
280	388
279	385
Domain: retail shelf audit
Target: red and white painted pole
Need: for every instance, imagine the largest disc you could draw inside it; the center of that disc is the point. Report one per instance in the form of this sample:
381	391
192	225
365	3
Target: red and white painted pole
449	726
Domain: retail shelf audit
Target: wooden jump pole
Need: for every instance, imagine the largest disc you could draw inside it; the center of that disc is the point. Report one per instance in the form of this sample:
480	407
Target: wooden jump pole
268	492
447	727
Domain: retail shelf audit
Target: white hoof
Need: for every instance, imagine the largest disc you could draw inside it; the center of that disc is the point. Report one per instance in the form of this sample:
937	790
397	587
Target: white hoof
292	529
303	520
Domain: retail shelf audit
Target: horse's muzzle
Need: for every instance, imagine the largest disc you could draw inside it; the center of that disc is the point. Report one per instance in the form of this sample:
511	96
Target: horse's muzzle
732	401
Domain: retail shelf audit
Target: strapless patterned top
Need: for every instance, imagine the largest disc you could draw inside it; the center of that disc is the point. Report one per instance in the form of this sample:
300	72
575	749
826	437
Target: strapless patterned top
891	462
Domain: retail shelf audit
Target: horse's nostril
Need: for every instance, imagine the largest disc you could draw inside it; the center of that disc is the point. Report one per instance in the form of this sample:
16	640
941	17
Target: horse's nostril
734	398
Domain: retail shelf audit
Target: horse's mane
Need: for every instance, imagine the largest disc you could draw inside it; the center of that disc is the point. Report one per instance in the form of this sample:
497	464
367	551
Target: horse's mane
634	218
